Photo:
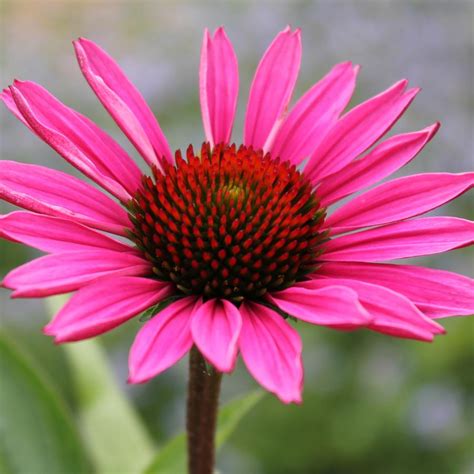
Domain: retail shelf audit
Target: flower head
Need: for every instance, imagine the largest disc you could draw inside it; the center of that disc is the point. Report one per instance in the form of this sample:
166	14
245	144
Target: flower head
227	245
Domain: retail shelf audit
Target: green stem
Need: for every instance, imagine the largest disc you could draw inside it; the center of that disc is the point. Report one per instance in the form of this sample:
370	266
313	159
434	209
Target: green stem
203	397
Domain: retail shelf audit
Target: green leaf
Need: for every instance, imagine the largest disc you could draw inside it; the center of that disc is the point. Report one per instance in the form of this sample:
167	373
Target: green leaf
231	414
172	457
37	433
113	432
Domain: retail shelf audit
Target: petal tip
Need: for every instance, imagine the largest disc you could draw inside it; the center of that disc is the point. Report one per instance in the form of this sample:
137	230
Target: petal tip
402	83
49	330
219	31
413	91
135	379
15	91
433	129
79	51
5	94
77	44
225	368
344	64
437	328
20	83
82	41
288	398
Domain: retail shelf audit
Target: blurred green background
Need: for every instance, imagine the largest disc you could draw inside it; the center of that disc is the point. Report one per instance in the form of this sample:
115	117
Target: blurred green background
371	404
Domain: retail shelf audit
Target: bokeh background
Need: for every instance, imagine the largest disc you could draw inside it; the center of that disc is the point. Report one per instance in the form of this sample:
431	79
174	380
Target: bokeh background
371	404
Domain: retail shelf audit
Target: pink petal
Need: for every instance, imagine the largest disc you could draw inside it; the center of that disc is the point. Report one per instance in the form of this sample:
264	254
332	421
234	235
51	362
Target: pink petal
100	307
162	341
65	272
7	98
406	239
271	89
52	234
335	306
399	199
78	140
381	162
314	114
359	129
391	313
123	101
218	86
215	328
47	191
271	350
435	292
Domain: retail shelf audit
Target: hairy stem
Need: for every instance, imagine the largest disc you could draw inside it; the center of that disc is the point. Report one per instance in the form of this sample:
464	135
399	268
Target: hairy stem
203	397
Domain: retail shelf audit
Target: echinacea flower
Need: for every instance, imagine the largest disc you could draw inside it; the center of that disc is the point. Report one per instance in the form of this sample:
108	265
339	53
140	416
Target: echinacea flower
227	245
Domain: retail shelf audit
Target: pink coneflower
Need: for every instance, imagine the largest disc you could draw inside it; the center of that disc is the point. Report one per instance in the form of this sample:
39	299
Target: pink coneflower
228	244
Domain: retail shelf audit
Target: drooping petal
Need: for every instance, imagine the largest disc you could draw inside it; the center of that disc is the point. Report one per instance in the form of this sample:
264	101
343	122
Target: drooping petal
52	192
357	130
399	199
391	312
313	115
271	350
405	239
64	272
218	86
437	293
100	307
53	234
381	162
335	306
215	328
162	341
123	101
78	140
271	89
